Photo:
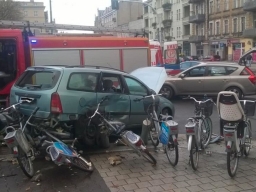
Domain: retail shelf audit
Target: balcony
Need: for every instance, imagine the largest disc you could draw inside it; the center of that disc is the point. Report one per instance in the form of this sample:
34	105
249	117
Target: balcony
250	33
185	20
196	38
199	18
250	5
167	6
196	1
167	23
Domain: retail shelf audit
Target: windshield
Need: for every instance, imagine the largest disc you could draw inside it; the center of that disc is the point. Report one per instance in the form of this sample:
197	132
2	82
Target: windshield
34	80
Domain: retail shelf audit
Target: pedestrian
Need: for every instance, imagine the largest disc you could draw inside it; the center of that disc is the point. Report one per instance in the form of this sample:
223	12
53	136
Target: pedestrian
249	60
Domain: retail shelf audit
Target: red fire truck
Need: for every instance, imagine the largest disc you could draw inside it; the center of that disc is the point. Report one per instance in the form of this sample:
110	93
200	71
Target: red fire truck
19	50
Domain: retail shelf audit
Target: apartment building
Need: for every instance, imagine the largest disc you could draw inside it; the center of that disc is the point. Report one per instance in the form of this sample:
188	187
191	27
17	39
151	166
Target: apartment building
127	12
34	12
229	23
169	21
199	26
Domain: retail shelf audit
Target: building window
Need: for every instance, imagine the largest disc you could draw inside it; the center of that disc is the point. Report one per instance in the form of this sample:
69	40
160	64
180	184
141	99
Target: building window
217	5
35	13
235	25
242	24
226	27
235	4
172	32
179	14
211	28
217	28
211	7
202	29
177	32
226	5
25	13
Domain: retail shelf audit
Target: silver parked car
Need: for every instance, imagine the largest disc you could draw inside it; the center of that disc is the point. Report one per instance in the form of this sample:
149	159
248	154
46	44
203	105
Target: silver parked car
210	79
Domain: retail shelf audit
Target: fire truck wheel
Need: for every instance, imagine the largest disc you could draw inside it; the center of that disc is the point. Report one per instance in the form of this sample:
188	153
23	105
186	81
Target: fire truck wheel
167	91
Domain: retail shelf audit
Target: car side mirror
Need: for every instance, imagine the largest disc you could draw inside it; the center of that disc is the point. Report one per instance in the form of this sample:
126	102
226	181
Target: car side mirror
182	76
152	92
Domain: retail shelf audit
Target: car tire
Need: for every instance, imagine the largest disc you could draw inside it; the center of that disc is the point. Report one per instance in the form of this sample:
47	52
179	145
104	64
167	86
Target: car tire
167	91
237	91
81	129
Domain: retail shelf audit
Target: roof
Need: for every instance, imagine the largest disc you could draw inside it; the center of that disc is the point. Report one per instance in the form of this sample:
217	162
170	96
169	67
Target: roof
93	67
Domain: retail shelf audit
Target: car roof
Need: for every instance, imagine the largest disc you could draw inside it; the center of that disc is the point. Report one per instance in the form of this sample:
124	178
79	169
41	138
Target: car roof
80	68
220	64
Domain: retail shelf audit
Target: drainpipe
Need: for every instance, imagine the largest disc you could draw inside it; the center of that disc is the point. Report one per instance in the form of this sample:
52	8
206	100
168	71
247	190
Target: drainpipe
207	23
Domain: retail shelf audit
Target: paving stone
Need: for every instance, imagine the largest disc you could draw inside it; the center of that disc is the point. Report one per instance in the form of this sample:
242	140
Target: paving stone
155	189
144	184
195	188
156	182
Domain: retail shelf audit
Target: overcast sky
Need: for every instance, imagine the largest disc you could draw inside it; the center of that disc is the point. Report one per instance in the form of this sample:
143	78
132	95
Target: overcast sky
80	12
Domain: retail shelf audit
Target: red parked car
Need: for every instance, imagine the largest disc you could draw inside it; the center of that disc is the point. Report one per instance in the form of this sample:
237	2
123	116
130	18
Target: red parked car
211	58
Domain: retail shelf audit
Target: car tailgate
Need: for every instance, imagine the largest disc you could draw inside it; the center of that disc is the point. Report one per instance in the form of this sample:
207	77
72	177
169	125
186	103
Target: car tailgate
37	84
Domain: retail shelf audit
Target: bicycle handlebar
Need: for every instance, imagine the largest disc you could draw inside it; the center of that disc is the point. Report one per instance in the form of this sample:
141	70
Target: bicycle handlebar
98	106
189	97
148	96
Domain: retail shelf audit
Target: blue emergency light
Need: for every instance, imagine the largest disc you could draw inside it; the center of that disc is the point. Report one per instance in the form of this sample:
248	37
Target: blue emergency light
33	41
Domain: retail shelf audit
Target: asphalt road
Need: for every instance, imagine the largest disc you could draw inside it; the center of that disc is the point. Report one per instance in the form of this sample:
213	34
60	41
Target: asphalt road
185	109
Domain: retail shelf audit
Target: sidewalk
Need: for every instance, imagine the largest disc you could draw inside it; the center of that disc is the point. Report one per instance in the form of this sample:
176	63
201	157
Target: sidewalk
135	174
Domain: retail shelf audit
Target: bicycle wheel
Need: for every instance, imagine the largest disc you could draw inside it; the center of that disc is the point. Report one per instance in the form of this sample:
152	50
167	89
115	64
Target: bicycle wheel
206	128
248	140
153	134
147	155
169	148
232	168
194	160
25	163
82	164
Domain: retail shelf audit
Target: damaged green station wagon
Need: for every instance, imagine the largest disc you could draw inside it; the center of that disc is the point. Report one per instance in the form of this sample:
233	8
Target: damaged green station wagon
65	94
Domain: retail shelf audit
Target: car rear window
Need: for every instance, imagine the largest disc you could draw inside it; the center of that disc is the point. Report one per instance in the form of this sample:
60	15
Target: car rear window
246	71
83	82
38	79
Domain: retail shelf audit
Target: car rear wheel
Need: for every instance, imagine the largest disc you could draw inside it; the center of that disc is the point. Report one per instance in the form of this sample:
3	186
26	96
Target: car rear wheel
167	91
236	90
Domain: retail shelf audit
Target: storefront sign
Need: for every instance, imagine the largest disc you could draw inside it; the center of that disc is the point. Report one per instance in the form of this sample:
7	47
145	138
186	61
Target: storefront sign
215	43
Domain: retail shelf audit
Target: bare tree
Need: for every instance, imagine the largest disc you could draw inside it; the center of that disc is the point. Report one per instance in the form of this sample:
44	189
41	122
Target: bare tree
10	10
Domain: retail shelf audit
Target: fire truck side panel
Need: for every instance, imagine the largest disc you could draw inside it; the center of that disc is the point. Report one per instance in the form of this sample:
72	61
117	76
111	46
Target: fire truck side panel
102	57
134	58
56	57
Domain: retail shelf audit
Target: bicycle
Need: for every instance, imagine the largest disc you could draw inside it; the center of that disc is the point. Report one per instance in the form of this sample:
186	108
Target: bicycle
165	129
236	127
198	126
24	148
128	138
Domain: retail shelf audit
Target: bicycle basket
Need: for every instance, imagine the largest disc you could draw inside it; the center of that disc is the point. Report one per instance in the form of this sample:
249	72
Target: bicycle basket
206	108
148	104
249	108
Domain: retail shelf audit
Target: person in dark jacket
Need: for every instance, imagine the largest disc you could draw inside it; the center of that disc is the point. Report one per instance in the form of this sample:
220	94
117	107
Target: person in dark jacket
249	60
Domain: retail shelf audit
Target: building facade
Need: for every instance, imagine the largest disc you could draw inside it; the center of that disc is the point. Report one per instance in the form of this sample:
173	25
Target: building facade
34	12
127	12
169	22
228	25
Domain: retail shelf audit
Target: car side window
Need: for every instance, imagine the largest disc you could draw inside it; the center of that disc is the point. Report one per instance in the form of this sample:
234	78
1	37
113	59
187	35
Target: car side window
193	64
196	72
231	70
135	87
184	65
216	71
82	81
111	83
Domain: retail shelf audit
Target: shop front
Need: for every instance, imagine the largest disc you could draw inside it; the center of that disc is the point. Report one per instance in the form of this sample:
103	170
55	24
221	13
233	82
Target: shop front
238	47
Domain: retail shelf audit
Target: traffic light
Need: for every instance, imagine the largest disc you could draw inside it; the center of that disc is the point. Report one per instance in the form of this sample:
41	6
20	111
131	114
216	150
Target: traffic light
114	4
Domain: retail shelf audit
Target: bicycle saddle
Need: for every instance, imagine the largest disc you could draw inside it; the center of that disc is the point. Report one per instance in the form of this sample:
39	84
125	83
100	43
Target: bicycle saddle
119	126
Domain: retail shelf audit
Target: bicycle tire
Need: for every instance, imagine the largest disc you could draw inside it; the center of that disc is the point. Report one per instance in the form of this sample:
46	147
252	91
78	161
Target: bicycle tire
176	149
155	143
83	164
147	155
230	172
208	123
194	162
29	173
247	149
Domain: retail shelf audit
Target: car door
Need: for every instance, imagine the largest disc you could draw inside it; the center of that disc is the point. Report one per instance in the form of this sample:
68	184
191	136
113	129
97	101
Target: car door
118	104
191	82
215	79
137	90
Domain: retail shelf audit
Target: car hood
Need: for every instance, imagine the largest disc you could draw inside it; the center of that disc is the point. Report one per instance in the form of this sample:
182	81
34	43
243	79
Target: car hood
153	77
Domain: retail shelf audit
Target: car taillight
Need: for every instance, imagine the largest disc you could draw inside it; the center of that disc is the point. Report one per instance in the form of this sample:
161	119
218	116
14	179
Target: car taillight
252	76
56	106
